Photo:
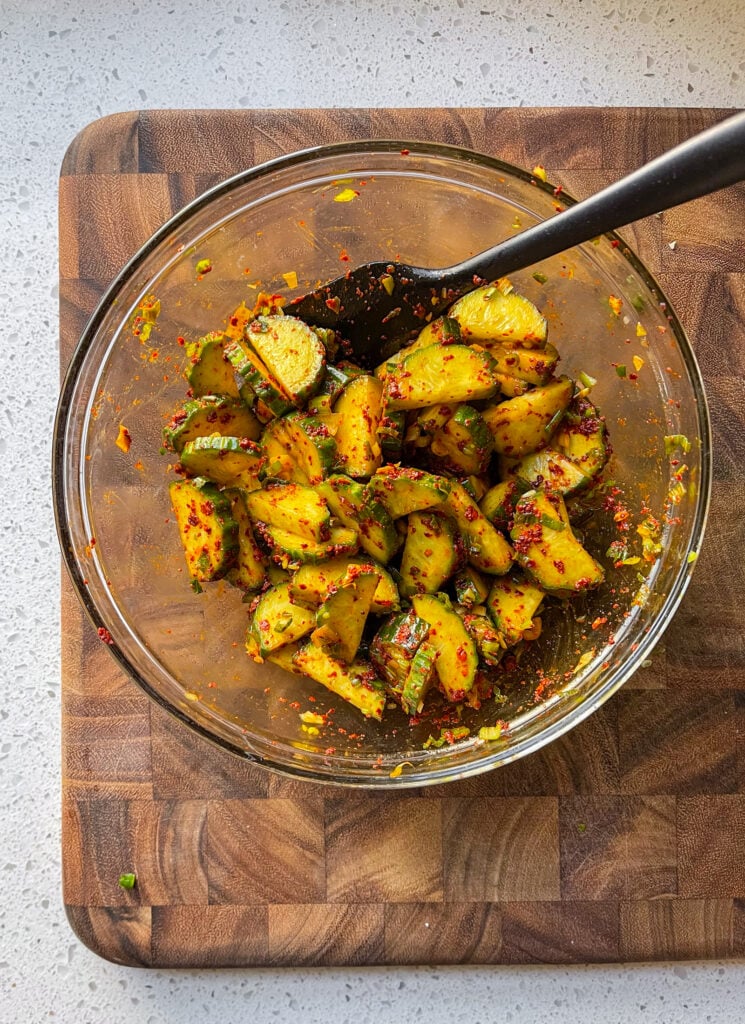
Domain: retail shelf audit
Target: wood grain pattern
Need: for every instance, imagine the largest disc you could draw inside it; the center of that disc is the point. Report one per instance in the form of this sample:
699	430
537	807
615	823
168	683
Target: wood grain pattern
621	841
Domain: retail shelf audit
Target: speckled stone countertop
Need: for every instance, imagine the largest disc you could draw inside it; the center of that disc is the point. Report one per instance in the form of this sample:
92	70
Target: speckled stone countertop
64	63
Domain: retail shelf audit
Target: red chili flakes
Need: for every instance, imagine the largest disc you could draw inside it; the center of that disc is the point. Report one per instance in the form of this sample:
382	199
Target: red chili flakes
405	152
105	636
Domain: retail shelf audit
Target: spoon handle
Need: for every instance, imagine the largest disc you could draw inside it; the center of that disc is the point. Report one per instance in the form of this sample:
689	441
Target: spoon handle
703	164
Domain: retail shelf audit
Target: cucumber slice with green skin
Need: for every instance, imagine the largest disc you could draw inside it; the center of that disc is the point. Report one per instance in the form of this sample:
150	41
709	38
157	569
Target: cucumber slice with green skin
258	378
440	373
549	470
209	415
298	448
355	683
359	409
226	461
547	549
292	507
442	331
277	621
402	489
340	620
583	438
512	604
420	677
290	550
358	508
393	648
463	445
434	417
489	641
486	547
498	504
431	554
470	587
311	583
291	351
457	659
333	383
391	431
531	365
208	371
493	313
249	571
208	531
278	461
522	425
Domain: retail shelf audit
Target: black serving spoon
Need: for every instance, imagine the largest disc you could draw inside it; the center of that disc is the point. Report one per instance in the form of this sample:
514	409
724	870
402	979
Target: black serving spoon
378	302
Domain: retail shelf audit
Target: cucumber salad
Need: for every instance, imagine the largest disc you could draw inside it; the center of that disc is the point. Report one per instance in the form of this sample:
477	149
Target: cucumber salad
395	531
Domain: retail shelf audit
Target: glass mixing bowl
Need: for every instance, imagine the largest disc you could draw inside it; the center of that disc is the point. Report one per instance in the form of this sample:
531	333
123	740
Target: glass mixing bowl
293	220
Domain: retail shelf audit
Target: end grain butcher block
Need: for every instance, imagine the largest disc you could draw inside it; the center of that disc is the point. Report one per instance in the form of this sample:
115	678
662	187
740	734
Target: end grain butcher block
625	840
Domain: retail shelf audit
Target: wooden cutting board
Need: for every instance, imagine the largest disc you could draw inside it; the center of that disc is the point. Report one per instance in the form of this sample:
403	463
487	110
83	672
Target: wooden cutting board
625	840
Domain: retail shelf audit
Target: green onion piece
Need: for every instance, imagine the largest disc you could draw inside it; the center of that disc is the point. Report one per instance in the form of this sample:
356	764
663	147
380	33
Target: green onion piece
128	880
673	441
638	303
197	587
621	370
587	380
617	551
283	623
555	420
490	732
540	278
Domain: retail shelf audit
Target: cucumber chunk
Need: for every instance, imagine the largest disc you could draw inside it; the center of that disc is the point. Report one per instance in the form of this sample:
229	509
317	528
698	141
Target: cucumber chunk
291	507
291	351
463	445
209	533
440	373
457	660
492	313
402	489
226	461
341	618
522	425
430	554
393	648
547	549
359	411
355	683
249	571
311	583
486	548
211	414
277	621
290	549
208	371
357	507
513	603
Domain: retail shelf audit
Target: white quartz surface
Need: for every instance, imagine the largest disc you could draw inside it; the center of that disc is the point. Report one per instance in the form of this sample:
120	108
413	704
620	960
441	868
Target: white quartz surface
64	63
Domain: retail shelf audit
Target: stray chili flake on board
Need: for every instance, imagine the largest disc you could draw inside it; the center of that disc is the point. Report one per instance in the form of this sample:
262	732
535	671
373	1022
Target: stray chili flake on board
105	636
